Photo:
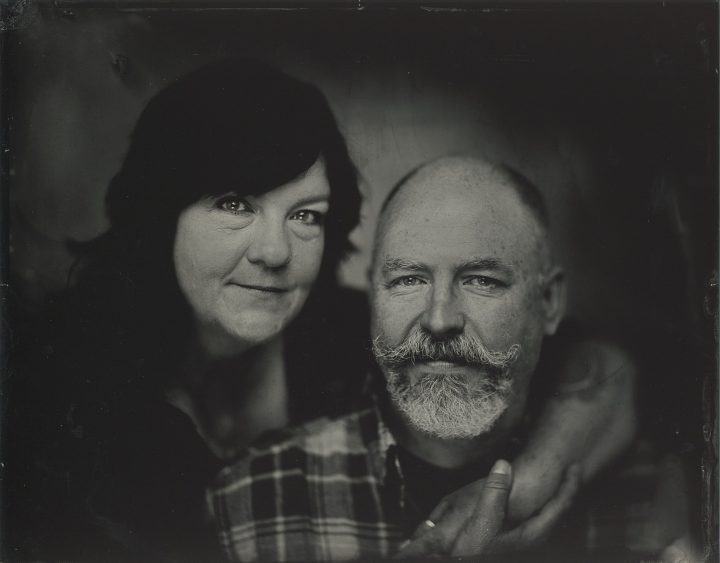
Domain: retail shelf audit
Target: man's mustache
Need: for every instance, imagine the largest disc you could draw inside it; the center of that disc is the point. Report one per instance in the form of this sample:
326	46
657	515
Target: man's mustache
421	346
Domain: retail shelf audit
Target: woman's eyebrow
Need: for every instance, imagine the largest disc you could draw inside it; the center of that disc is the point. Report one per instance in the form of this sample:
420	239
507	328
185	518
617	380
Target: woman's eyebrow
312	199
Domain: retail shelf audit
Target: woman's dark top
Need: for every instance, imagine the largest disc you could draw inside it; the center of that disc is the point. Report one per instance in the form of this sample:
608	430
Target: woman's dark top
114	472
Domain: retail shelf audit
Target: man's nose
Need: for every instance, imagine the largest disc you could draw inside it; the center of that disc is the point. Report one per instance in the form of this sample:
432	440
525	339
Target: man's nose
270	246
443	316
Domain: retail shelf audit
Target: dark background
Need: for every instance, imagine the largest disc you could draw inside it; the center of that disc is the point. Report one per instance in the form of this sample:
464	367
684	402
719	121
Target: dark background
610	108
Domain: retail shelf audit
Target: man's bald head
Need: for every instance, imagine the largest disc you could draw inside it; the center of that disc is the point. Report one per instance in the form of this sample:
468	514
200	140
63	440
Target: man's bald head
445	174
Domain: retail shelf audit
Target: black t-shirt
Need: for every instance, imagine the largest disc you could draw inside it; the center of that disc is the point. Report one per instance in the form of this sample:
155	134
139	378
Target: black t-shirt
427	484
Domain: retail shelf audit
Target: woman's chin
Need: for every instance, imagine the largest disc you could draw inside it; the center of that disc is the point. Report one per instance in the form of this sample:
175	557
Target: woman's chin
227	335
259	329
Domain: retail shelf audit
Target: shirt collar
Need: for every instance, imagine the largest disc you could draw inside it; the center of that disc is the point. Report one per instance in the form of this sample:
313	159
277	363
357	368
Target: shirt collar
383	447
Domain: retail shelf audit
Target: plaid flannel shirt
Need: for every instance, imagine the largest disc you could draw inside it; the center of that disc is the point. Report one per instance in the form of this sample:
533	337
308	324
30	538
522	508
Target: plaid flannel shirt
333	490
327	492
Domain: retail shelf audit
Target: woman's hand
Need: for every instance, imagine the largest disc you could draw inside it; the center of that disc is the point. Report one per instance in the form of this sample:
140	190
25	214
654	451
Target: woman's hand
469	521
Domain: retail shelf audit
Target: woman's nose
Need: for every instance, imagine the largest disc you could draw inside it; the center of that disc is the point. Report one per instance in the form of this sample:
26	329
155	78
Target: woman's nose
270	246
443	316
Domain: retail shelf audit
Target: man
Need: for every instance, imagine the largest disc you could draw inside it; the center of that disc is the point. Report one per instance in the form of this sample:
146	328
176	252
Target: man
464	289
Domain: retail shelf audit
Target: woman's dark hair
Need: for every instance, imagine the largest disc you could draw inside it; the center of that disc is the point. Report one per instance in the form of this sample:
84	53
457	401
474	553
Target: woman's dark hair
112	468
234	126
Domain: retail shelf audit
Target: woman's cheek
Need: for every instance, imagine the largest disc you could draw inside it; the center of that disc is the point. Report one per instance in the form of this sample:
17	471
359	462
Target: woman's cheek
309	259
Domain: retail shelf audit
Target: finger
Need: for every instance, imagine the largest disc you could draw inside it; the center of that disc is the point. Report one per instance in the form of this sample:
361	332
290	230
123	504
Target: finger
489	515
453	511
436	534
450	514
537	528
439	511
423	529
426	545
435	518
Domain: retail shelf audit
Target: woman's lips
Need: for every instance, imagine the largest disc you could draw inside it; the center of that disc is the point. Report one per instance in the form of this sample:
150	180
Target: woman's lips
263	288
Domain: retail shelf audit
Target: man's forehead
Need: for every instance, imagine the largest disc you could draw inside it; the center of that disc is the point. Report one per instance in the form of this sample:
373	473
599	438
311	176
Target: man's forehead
454	252
485	212
459	211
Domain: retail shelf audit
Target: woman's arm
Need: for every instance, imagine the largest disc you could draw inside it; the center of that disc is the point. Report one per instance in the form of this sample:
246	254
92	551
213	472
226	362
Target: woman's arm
586	422
589	419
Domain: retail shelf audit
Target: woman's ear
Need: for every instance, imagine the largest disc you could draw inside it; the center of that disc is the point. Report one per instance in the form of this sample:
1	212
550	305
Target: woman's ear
554	299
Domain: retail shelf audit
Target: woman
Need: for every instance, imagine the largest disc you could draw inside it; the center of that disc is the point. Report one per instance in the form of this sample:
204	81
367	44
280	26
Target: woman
207	314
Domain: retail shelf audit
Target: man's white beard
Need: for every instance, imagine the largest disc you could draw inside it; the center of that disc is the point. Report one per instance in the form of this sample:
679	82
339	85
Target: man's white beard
450	406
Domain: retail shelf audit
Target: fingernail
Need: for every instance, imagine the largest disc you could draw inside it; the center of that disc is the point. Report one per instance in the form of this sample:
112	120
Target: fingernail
502	467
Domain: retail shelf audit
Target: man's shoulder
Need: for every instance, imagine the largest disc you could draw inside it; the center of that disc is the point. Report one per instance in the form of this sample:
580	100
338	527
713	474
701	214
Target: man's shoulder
311	447
345	434
313	493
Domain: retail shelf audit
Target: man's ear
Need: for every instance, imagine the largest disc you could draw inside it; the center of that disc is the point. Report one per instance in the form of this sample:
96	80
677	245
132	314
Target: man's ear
554	299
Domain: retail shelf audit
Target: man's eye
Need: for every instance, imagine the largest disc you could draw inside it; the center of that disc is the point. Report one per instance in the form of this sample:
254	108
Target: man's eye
308	217
233	204
407	281
484	282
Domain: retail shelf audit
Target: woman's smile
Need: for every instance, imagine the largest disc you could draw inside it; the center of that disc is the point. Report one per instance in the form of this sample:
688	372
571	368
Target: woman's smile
262	288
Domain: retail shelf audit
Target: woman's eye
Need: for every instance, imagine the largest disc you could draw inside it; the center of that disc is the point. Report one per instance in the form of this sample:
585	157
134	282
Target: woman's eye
308	217
484	282
233	204
407	281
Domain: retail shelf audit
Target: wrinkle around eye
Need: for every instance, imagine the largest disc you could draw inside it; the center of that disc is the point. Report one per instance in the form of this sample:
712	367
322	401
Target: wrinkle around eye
485	285
232	204
316	218
406	282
